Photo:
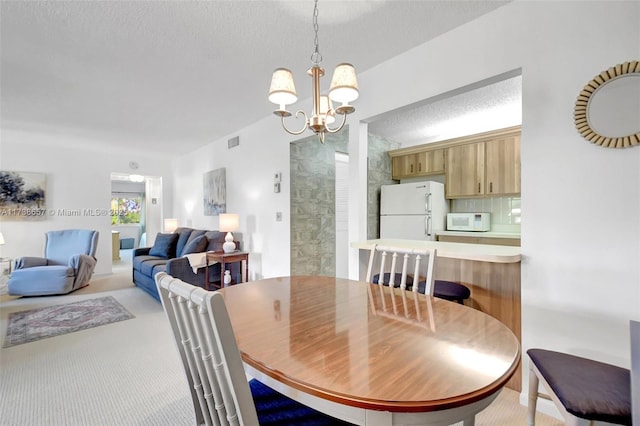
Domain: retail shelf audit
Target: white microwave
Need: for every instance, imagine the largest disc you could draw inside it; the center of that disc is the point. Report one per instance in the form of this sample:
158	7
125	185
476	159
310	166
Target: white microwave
468	221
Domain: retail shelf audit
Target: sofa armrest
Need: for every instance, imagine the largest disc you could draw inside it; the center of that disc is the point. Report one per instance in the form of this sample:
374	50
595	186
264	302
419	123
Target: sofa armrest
142	251
180	268
30	262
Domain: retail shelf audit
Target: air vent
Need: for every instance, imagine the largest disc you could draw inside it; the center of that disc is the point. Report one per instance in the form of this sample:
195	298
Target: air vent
233	142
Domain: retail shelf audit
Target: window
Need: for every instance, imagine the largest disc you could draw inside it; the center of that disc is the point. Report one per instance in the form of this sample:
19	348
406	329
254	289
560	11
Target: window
126	208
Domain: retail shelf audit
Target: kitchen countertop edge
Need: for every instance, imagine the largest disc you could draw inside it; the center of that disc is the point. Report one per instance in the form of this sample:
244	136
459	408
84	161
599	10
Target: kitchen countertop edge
482	234
464	251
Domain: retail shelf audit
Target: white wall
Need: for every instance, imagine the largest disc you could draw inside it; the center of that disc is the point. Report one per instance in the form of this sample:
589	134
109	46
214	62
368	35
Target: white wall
581	203
250	167
78	178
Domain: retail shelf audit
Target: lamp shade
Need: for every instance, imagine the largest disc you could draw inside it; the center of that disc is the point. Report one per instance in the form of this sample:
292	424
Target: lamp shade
229	222
170	224
282	91
344	85
1	239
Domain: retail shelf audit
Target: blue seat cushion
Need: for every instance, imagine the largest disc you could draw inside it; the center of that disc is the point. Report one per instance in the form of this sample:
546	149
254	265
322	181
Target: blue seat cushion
447	290
147	266
587	389
275	409
41	280
387	278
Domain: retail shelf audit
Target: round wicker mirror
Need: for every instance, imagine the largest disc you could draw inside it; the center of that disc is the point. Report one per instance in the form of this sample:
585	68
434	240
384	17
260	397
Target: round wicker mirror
617	103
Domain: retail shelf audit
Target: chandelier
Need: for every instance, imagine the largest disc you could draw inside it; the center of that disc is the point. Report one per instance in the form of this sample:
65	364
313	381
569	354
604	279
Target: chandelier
343	89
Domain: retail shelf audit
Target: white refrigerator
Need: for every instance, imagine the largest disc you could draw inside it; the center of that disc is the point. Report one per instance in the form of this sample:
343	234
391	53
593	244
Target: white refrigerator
413	211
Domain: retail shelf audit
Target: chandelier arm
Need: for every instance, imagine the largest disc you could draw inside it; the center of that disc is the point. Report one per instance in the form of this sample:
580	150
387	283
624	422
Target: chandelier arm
296	132
344	120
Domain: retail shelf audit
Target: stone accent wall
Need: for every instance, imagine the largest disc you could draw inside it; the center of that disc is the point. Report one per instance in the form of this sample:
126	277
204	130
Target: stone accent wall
313	224
313	198
379	173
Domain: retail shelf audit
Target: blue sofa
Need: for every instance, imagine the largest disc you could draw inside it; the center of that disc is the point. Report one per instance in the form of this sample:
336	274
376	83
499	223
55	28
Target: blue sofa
166	256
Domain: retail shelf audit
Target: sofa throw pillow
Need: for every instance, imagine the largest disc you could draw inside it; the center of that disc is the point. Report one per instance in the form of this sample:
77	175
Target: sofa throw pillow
197	245
164	246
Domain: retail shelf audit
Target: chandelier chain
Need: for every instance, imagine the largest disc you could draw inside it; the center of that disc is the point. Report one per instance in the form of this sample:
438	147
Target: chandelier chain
316	57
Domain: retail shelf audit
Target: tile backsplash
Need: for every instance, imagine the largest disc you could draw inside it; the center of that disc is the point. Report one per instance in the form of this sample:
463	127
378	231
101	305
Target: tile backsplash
505	211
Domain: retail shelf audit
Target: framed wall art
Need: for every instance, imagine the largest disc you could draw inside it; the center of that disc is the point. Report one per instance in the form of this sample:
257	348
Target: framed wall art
22	195
215	192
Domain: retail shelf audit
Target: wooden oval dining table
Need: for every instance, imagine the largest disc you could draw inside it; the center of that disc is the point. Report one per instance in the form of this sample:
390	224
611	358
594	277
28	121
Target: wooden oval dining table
369	354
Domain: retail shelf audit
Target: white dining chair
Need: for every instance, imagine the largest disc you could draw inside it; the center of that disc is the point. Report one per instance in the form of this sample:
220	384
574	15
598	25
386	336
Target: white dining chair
391	266
211	358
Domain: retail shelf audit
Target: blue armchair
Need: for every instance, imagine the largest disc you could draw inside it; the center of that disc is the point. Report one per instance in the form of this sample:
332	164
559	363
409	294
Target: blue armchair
68	263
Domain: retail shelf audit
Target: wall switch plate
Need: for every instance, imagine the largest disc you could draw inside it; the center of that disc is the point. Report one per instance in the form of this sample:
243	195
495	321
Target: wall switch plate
276	187
277	177
278	216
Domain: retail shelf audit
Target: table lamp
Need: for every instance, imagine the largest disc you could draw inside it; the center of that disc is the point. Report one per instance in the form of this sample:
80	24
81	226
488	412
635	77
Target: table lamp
170	225
229	222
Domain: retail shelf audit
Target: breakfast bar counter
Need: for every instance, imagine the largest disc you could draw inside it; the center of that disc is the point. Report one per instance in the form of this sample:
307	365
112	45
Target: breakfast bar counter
478	252
491	272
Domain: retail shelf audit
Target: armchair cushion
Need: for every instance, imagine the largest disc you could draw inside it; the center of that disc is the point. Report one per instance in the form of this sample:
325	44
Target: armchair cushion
164	246
197	245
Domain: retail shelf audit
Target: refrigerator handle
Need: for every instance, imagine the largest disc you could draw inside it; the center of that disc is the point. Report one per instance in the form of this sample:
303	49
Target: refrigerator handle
427	203
427	224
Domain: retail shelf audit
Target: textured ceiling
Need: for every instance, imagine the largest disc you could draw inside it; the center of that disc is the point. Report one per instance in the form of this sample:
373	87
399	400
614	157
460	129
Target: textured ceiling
153	74
492	105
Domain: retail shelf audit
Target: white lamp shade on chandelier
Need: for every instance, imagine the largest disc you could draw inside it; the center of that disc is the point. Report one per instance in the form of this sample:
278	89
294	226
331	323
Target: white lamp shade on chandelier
228	223
344	86
282	91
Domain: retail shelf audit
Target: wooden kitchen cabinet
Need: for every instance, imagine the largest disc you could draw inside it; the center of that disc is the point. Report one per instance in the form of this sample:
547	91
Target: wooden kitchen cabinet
502	163
464	176
486	168
422	163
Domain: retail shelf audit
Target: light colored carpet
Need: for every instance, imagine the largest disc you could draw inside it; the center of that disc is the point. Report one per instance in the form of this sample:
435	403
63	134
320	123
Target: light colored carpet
125	373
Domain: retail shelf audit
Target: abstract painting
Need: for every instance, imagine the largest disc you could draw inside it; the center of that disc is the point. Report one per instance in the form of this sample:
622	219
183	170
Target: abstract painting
215	192
22	195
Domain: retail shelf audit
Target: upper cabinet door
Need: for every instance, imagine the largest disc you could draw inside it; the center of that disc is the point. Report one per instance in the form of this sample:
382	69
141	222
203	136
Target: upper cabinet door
465	171
503	166
423	163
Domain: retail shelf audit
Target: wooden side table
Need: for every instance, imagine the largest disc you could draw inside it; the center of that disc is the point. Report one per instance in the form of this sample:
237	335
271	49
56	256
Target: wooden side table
223	259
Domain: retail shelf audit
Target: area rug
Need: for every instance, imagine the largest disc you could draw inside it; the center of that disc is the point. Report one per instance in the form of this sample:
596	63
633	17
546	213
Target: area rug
36	324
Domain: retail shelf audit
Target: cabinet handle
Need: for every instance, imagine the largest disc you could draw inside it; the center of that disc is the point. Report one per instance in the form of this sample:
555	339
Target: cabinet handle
478	187
411	168
491	187
419	167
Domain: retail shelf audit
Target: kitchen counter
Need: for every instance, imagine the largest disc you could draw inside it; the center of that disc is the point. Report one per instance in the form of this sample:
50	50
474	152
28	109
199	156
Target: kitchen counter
475	252
487	234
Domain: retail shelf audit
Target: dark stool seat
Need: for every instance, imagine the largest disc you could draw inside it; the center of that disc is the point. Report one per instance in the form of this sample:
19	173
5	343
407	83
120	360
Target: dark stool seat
387	278
586	388
448	290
